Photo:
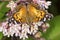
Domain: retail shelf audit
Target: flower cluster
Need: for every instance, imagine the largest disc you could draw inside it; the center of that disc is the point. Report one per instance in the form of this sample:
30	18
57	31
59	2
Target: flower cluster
11	27
42	3
12	5
21	30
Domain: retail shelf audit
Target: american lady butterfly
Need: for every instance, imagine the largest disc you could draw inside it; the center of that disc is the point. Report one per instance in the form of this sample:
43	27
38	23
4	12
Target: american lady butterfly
28	14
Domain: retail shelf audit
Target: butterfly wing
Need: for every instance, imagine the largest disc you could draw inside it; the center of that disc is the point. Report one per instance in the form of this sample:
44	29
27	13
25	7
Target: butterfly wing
20	16
29	14
35	14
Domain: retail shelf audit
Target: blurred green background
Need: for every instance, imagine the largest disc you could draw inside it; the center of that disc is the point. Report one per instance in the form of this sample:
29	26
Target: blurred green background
53	33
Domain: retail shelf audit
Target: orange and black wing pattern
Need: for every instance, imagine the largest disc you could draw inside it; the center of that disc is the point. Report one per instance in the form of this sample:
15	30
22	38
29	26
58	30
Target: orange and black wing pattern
28	14
36	15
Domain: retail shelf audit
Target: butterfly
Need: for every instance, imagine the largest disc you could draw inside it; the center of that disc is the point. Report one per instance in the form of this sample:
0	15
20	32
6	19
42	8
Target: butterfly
28	14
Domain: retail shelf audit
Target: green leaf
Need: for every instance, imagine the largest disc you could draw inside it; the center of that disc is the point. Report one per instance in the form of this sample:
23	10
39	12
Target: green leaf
1	15
3	10
3	6
53	32
1	35
30	38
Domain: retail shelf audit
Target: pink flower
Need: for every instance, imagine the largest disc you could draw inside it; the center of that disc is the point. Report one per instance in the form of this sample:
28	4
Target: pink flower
42	3
12	5
37	1
4	24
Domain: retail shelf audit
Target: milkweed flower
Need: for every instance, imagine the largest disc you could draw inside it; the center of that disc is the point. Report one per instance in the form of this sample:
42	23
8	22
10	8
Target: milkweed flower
12	5
21	30
20	27
43	3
